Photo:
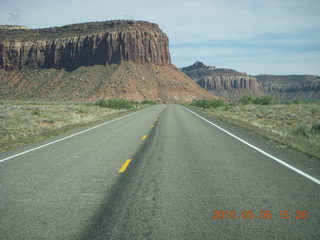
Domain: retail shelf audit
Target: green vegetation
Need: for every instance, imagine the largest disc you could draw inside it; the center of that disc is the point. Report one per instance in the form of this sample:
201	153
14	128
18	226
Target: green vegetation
25	122
116	103
307	130
123	103
288	102
148	102
248	99
295	124
36	113
208	103
22	123
244	100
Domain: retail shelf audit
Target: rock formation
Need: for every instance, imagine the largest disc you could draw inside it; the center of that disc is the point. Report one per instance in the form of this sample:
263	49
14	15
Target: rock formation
112	59
88	44
226	83
291	87
231	85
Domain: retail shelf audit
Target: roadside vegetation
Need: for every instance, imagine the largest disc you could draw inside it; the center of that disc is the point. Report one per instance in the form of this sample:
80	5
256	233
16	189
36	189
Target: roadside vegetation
119	103
25	122
295	124
116	103
148	102
208	103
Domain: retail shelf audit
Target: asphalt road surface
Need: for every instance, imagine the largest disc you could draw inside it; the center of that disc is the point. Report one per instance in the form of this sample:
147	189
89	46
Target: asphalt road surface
160	173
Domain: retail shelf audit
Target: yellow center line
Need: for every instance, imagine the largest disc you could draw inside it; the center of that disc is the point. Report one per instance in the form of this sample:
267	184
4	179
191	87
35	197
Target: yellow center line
144	137
125	165
151	126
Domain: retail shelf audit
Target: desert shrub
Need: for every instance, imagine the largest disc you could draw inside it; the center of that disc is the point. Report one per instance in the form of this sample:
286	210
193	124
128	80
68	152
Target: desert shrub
199	103
315	128
248	99
284	117
81	110
149	102
288	102
48	121
227	107
37	113
208	103
115	103
245	99
314	111
264	100
216	103
301	130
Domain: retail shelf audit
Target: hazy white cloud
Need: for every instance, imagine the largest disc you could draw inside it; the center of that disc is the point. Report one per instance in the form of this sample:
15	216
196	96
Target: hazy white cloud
14	18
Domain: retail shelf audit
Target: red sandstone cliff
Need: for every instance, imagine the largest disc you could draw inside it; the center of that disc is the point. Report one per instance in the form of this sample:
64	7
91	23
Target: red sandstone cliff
127	59
88	44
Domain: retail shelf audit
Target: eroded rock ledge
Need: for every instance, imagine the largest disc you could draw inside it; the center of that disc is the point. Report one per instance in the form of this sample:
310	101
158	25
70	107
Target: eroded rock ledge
86	44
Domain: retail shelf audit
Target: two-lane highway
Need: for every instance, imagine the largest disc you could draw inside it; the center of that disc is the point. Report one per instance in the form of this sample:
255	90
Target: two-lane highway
50	193
161	173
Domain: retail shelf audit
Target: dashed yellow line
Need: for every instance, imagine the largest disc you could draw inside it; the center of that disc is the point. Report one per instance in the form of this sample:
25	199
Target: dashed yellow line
144	137
151	126
125	165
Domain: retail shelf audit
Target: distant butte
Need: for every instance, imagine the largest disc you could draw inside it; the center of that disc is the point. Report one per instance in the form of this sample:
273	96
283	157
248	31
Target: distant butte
231	84
226	83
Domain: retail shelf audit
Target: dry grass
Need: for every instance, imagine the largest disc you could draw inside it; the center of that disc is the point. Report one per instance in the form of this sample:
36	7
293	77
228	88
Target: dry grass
295	125
24	122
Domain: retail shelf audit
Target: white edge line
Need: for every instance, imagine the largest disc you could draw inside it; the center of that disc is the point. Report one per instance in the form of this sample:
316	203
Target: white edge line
259	150
70	136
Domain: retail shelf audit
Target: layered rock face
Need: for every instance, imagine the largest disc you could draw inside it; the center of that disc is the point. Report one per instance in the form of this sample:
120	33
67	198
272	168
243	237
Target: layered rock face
226	83
291	87
87	44
90	61
231	85
235	82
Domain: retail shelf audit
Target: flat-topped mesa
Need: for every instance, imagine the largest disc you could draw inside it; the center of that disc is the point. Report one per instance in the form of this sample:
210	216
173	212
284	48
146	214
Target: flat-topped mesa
223	82
291	87
86	44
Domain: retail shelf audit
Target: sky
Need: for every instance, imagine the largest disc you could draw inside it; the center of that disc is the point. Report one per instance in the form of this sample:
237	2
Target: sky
252	36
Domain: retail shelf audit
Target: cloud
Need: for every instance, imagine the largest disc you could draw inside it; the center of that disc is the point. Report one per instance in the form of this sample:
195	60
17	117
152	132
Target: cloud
14	18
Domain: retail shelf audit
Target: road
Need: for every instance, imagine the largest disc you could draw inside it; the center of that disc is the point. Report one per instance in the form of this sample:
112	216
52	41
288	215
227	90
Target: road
182	170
